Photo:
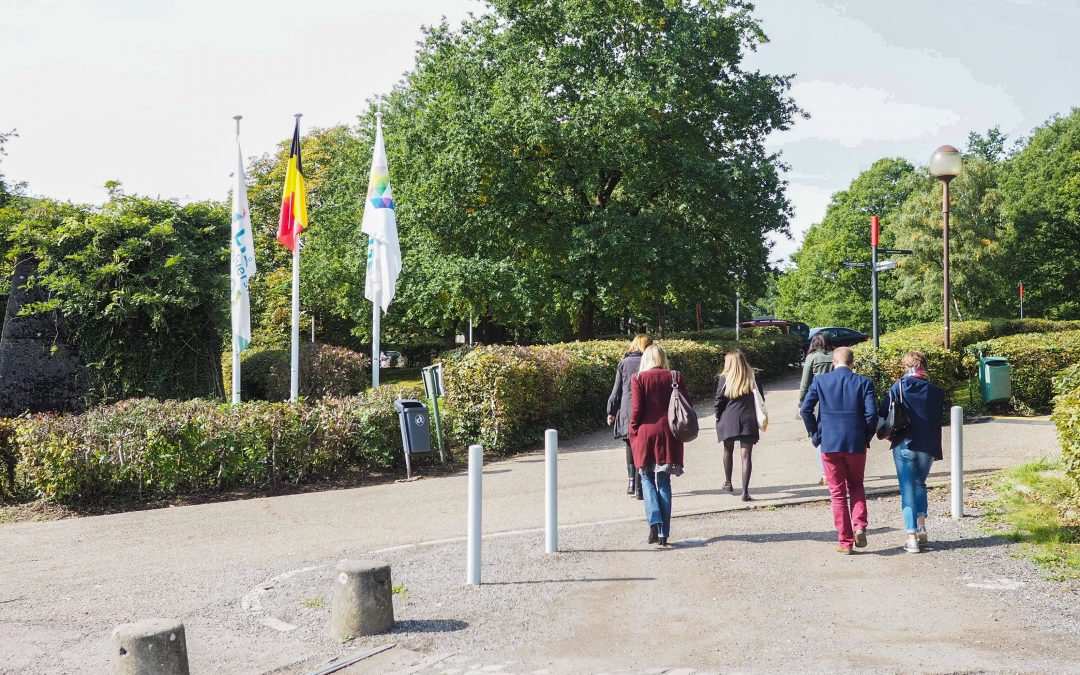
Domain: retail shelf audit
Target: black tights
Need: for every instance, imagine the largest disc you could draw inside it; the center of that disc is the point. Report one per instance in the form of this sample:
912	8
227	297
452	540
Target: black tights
747	462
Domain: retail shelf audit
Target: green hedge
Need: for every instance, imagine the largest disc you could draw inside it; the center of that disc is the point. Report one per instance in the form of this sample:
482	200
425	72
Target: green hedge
325	371
945	367
146	449
1035	358
1036	349
1067	418
504	397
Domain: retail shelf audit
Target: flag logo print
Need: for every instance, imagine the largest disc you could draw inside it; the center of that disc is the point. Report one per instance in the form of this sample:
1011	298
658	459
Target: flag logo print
380	195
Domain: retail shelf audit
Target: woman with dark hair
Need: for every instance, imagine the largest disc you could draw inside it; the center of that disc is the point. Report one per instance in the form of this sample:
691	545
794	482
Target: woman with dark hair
819	360
618	407
917	446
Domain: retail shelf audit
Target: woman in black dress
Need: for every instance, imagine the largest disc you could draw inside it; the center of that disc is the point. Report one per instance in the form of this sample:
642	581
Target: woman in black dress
618	407
736	416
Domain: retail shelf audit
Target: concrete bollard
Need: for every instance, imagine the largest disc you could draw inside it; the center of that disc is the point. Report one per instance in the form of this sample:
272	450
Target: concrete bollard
363	599
150	647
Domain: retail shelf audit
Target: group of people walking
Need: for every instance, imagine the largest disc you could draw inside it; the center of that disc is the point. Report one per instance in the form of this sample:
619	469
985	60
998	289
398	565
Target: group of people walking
838	407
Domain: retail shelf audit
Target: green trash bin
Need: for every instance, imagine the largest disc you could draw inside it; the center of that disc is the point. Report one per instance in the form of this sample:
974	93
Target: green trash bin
994	379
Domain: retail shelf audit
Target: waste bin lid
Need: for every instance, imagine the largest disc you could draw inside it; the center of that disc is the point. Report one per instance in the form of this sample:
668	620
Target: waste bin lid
404	403
994	361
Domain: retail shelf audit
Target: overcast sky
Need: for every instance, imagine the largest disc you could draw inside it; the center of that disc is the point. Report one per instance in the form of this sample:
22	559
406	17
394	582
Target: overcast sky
143	92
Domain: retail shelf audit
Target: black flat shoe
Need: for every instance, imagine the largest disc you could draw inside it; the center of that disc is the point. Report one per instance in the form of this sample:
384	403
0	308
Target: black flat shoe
746	497
727	488
663	541
654	534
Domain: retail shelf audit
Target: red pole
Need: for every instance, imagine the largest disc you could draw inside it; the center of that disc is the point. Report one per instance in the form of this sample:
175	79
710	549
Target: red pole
873	230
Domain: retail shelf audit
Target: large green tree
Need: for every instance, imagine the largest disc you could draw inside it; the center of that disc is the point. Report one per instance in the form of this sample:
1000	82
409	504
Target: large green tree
563	160
1042	206
818	289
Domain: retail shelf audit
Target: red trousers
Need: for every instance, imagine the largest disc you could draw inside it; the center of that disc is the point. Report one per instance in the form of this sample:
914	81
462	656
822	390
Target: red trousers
844	475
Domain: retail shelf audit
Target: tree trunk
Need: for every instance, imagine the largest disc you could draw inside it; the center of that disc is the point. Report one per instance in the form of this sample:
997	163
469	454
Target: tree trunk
586	319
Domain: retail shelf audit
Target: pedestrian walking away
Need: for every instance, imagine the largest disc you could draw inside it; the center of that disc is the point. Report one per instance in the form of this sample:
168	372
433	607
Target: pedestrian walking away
736	417
845	422
818	361
917	445
618	407
658	455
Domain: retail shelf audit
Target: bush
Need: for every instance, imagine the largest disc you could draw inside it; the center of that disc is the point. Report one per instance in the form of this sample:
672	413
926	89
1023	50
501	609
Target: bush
1067	418
147	449
945	367
1003	327
504	397
325	370
1035	358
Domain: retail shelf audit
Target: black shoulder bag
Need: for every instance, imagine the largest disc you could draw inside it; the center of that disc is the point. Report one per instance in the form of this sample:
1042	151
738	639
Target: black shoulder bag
895	423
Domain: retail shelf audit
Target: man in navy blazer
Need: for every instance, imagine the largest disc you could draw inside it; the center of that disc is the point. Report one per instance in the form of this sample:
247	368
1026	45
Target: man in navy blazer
842	429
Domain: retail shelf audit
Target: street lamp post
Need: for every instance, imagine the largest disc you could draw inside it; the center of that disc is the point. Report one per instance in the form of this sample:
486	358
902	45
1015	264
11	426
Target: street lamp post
945	164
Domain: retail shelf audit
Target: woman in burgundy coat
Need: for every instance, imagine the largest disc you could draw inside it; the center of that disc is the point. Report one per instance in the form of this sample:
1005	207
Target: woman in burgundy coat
657	453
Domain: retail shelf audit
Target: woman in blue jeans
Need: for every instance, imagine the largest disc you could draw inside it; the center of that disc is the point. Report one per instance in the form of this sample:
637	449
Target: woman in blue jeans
658	455
916	448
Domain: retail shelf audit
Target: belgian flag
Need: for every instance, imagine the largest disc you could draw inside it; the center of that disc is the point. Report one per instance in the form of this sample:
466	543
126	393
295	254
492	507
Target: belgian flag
293	218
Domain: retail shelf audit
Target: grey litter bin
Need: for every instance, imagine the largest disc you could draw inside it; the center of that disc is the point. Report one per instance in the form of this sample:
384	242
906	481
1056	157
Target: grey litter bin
994	379
415	426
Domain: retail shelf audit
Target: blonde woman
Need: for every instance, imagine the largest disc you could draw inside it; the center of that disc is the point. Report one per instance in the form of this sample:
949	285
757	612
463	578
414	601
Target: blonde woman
618	407
657	453
736	417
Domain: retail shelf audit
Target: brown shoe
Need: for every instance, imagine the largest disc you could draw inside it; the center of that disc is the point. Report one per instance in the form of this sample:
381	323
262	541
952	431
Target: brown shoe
860	539
843	549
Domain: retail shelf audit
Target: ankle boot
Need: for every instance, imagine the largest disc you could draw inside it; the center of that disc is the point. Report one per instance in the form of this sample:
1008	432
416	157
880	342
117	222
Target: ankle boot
631	475
637	487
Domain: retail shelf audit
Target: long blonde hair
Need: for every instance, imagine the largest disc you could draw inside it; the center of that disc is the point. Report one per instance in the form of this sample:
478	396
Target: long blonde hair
738	375
640	342
653	357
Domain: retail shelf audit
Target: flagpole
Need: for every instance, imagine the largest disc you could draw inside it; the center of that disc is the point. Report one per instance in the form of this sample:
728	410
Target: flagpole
294	384
376	328
235	341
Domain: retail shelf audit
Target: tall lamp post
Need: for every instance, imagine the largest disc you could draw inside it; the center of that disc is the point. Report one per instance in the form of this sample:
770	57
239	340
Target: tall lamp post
945	164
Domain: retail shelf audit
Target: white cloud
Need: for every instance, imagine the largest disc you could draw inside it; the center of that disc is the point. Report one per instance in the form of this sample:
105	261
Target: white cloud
851	115
809	202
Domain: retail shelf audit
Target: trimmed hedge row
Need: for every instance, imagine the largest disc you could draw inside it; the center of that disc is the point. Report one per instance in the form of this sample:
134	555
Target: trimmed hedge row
146	449
504	397
945	366
1067	418
1035	358
325	370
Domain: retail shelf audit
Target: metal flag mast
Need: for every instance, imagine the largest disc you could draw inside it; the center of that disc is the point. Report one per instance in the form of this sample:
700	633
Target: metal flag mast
235	338
294	369
376	302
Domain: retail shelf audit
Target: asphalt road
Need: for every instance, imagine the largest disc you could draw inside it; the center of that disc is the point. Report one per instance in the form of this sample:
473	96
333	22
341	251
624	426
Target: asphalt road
65	584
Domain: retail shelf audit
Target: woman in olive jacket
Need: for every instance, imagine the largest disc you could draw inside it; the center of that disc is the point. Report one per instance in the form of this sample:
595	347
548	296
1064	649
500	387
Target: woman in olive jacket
618	407
818	362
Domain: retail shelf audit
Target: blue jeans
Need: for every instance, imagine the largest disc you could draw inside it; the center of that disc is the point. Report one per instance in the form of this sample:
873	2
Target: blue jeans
912	468
656	489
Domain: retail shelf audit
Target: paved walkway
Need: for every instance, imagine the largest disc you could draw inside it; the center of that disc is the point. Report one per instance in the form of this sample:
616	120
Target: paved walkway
65	584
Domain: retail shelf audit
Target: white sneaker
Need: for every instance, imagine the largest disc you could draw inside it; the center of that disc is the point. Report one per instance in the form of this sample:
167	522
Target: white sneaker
922	535
912	544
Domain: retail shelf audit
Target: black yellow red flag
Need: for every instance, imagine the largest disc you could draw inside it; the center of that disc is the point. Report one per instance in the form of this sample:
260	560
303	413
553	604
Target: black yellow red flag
293	218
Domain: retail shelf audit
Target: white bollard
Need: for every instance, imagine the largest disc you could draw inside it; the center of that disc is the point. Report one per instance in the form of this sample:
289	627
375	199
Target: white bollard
957	427
551	491
476	472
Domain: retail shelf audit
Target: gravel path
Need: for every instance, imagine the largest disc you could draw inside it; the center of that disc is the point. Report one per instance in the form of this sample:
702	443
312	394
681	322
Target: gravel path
757	591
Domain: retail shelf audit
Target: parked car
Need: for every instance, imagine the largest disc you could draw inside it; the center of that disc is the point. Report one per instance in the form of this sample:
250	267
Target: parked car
841	337
786	327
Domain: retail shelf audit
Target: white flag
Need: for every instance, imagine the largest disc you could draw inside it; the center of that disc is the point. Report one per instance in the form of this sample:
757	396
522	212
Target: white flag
243	258
380	225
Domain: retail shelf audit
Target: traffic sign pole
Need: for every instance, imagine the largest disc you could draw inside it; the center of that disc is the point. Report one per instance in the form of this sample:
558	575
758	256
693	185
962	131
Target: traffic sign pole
873	273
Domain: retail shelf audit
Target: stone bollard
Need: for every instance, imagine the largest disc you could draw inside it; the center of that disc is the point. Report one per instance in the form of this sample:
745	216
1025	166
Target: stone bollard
363	599
149	647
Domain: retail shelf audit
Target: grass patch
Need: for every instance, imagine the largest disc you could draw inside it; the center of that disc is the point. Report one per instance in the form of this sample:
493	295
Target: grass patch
313	603
400	376
399	589
1036	505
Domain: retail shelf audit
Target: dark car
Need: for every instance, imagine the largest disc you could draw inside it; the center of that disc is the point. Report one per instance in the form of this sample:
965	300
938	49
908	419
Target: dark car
841	337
